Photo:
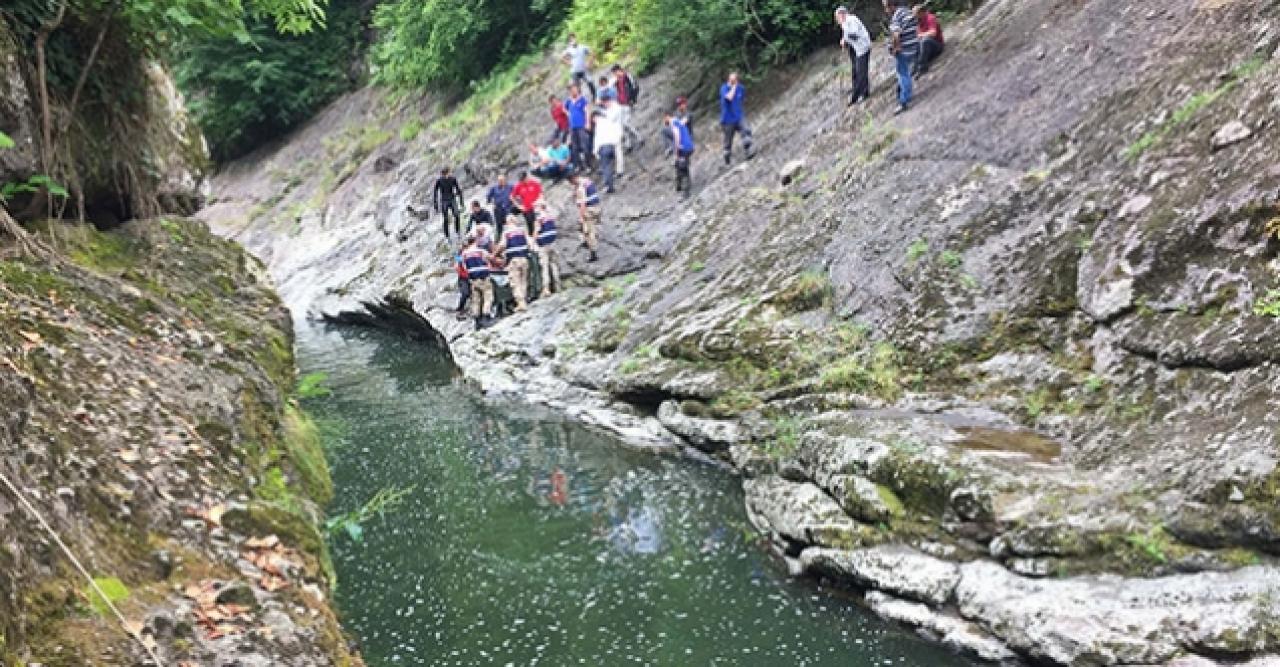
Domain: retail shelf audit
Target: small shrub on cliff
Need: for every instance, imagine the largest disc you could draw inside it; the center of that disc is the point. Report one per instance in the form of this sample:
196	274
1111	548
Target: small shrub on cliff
1269	305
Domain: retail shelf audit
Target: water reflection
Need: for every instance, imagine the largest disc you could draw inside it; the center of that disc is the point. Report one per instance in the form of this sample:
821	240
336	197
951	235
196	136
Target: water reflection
528	540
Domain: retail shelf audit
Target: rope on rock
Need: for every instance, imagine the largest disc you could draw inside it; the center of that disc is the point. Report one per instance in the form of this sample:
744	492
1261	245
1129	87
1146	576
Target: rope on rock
35	514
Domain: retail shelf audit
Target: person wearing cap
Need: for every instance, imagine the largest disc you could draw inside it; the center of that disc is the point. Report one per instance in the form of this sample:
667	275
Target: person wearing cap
856	41
476	261
548	253
733	116
514	248
931	42
608	145
628	92
904	46
588	199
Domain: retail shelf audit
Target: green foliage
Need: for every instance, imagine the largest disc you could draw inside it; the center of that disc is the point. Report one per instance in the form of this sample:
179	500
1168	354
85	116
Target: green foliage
452	44
248	88
311	385
918	248
1269	305
410	130
1151	545
114	590
786	437
31	186
722	33
6	141
1193	106
878	371
733	403
352	523
810	290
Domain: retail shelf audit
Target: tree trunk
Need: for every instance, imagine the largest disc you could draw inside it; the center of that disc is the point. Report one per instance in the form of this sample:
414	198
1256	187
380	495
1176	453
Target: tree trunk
23	243
46	113
88	65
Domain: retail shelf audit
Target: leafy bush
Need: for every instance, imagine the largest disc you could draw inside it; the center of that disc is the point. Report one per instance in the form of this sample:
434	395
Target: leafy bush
451	44
243	96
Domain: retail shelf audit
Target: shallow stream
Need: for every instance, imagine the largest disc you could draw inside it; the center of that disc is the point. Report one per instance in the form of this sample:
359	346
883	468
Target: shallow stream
525	539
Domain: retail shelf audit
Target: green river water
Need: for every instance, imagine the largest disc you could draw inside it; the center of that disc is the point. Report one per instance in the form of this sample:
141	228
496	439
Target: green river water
531	540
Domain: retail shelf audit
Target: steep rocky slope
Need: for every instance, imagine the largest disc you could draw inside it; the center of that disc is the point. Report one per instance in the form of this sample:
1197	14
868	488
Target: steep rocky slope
144	377
1008	361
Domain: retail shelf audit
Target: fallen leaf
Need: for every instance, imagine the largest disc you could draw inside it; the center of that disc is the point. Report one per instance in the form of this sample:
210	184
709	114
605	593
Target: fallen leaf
267	542
271	583
32	337
128	455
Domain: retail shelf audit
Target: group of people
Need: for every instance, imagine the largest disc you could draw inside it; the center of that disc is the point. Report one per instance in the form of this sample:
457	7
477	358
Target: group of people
915	41
592	132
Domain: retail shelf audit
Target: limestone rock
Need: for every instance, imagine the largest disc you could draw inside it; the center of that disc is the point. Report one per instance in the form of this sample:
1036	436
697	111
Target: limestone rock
1230	134
790	171
800	512
1108	620
863	499
896	569
709	435
958	634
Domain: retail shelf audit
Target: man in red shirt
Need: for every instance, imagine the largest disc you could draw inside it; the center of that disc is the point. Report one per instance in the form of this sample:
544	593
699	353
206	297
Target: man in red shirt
931	42
561	117
525	196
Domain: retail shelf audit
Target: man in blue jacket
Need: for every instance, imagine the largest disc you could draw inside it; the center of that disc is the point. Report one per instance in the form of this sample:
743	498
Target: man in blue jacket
733	118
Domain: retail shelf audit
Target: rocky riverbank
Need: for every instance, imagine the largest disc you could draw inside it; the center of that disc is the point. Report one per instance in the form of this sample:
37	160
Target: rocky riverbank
1004	363
145	376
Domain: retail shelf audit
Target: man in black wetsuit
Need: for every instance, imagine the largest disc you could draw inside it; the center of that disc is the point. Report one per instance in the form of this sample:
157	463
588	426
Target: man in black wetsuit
445	197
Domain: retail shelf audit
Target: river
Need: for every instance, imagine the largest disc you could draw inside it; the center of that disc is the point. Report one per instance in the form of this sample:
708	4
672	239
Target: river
521	538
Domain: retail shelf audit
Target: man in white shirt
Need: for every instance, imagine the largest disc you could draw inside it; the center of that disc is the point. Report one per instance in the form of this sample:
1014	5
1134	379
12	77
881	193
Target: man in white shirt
578	57
608	144
855	39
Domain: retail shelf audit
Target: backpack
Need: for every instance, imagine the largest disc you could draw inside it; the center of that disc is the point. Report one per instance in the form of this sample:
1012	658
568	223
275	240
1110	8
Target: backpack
633	89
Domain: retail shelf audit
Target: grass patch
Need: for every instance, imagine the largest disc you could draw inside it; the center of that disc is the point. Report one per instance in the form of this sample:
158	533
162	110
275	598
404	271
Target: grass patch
410	130
918	248
312	385
1193	106
809	291
1268	305
114	589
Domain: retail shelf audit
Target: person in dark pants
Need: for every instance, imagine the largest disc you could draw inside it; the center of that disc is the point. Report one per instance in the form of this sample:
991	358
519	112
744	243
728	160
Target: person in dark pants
500	197
464	281
733	117
681	113
445	197
578	108
856	41
931	41
684	152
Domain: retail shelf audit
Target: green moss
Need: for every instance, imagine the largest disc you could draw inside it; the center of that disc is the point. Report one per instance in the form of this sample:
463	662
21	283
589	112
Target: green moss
114	590
809	291
890	500
733	403
306	455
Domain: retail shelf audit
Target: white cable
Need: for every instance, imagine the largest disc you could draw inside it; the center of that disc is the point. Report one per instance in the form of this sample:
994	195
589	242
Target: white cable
124	624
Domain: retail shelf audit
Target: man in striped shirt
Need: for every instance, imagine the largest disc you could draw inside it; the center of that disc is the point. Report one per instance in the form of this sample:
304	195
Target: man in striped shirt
904	45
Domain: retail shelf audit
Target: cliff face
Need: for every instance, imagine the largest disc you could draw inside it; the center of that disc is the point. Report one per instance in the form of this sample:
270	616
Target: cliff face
145	383
970	358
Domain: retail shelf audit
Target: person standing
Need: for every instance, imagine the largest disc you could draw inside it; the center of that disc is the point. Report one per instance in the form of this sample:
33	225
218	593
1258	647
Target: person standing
588	199
561	118
525	196
628	93
499	197
578	109
684	147
445	197
733	119
548	254
608	146
578	57
856	41
931	41
681	113
514	248
476	261
904	46
464	280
